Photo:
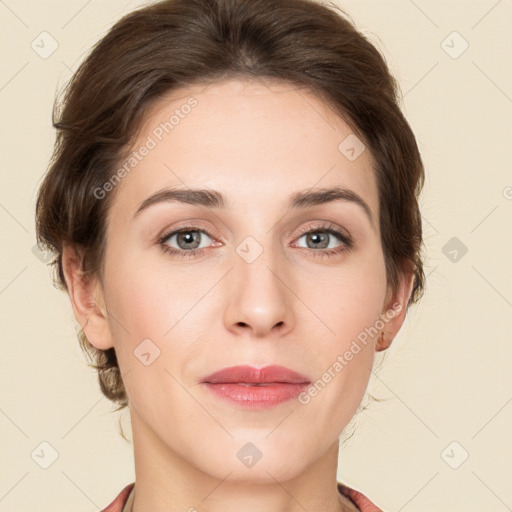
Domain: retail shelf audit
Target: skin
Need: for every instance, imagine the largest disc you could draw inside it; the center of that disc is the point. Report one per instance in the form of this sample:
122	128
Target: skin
257	144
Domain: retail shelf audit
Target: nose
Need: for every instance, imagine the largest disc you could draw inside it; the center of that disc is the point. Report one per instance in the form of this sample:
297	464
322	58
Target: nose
259	301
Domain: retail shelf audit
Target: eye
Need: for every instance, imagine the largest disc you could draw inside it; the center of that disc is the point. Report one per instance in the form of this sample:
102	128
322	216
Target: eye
190	241
326	240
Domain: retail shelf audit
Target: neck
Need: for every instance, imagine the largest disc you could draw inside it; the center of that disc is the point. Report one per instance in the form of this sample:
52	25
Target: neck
166	482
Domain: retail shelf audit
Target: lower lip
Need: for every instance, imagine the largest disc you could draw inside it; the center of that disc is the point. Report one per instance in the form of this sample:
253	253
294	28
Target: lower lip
257	397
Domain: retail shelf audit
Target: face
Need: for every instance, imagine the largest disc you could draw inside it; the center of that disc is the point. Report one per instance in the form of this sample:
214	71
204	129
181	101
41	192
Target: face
255	281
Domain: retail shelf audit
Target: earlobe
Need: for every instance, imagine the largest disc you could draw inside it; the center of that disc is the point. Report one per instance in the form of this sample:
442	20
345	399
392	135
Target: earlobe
393	314
87	300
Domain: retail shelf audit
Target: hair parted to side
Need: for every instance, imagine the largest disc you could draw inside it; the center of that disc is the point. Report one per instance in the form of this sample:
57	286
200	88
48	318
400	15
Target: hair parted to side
175	43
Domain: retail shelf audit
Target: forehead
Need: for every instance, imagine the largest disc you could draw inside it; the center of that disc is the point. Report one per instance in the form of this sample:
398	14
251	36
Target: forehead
252	141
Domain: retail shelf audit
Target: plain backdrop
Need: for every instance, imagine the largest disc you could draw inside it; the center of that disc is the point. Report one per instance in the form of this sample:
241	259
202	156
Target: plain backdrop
440	440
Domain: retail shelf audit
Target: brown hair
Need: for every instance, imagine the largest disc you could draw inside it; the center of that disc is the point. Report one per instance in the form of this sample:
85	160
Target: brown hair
175	43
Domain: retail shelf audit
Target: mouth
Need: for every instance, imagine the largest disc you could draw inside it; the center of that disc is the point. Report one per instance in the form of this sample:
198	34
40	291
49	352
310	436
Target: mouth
253	388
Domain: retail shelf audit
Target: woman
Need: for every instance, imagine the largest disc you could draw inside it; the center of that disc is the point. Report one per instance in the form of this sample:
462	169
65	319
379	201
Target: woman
267	136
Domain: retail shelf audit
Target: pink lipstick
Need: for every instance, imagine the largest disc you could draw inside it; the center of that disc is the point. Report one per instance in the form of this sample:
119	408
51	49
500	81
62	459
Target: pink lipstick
254	388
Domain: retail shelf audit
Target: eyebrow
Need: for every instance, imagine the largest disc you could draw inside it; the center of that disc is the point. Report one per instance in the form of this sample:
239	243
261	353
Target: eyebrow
214	199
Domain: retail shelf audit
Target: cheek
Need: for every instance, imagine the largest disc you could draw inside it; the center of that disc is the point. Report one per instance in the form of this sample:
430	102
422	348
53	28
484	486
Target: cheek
349	302
156	316
149	325
147	302
349	298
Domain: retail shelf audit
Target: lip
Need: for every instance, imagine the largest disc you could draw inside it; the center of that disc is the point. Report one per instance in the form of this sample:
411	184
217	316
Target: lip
251	375
255	388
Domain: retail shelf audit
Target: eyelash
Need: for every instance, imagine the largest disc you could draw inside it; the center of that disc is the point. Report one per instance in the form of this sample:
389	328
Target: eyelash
347	242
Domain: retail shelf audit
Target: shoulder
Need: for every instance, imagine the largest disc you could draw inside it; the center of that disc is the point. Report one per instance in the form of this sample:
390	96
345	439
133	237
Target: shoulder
120	500
359	499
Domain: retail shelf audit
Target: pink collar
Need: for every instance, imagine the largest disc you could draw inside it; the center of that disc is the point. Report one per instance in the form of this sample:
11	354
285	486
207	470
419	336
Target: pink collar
359	499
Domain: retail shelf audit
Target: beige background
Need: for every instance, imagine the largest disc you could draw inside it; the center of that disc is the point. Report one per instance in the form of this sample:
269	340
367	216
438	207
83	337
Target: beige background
447	376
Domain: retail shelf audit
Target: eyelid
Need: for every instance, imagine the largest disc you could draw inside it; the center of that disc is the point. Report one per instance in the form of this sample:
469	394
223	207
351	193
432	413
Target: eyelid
188	226
326	226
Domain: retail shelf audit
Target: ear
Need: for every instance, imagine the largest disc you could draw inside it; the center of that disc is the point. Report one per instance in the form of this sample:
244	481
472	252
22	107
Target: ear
395	309
87	300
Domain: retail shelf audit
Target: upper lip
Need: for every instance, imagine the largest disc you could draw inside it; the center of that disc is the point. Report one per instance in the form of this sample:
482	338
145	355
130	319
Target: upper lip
249	374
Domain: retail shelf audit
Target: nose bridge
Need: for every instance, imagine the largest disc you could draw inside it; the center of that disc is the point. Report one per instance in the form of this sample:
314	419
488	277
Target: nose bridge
259	299
257	262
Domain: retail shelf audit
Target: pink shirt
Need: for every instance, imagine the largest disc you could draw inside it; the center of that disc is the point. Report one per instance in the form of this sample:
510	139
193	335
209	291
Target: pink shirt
361	501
